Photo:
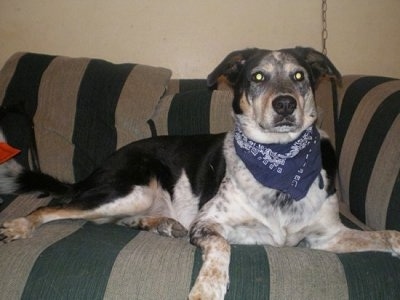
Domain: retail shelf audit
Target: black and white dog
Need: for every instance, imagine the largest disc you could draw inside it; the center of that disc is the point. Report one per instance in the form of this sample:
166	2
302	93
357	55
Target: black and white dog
262	183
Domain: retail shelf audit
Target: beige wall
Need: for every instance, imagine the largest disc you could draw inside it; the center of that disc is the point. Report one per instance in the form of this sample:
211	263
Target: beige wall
191	37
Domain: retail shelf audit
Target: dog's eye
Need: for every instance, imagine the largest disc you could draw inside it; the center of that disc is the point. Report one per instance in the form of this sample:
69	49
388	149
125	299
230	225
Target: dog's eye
258	77
298	76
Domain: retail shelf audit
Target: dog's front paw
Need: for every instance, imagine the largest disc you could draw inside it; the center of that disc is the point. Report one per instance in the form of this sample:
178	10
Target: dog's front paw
20	228
171	228
163	226
212	282
208	290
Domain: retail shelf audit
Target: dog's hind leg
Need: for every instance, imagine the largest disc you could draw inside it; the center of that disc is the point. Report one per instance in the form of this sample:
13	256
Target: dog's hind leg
23	227
138	202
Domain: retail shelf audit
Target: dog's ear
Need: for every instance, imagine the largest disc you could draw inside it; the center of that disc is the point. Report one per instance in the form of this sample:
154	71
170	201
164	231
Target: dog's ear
228	70
320	65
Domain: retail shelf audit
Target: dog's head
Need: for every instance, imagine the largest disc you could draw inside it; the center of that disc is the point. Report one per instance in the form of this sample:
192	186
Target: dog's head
274	90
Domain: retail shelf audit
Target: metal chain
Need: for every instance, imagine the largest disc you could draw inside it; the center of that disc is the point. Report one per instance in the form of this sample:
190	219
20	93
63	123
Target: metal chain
324	27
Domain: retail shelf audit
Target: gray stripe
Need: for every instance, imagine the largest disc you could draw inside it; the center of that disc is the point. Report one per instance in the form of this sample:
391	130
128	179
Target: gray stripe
160	116
384	174
55	115
21	206
152	267
221	119
145	85
299	273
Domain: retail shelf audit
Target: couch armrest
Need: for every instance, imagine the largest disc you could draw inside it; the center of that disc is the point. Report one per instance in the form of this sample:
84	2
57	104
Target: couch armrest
368	147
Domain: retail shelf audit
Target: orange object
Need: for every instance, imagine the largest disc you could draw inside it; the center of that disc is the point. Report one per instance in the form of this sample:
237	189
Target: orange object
7	152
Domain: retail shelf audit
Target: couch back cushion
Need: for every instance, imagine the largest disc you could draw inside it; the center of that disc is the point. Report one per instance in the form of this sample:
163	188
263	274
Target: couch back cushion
83	109
190	108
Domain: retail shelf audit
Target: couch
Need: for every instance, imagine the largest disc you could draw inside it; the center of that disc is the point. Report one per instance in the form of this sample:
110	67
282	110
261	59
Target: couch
83	109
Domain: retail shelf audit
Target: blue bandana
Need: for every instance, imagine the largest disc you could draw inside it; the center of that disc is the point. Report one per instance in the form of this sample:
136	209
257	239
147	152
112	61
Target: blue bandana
290	168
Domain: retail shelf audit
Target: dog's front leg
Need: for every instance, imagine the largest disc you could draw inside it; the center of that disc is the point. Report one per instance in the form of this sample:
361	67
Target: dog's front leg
213	278
351	240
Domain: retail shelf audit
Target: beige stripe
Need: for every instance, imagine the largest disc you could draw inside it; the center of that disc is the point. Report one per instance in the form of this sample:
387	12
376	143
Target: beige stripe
55	115
18	258
299	273
173	87
383	178
7	72
142	91
221	119
356	130
22	205
152	267
160	116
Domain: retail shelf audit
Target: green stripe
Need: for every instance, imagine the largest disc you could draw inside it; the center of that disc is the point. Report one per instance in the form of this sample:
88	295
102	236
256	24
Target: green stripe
372	275
393	211
248	272
22	94
95	135
18	258
368	151
192	84
78	266
197	263
189	113
353	96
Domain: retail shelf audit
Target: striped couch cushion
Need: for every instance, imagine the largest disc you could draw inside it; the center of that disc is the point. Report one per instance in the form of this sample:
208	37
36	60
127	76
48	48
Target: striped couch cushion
78	260
82	108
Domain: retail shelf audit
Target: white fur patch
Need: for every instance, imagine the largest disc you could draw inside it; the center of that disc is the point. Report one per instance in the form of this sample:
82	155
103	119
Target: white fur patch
140	201
185	203
9	170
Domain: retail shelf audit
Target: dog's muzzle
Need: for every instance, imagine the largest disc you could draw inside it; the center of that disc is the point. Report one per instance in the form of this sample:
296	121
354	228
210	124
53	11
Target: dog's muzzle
284	105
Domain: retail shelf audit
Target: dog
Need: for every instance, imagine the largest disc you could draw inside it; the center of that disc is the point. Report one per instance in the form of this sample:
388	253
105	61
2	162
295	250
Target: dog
268	181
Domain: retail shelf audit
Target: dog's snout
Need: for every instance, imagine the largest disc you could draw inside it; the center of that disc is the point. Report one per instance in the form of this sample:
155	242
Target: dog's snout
284	105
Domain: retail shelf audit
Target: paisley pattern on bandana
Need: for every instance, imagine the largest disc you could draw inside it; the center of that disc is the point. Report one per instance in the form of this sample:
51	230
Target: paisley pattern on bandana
290	168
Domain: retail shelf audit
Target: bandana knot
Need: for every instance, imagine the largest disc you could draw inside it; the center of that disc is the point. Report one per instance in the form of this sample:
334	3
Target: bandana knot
290	168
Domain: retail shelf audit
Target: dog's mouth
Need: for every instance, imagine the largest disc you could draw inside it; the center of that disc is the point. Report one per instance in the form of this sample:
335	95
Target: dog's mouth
281	126
285	124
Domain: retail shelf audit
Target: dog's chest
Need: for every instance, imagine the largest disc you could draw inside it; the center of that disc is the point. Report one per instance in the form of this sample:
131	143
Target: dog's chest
253	213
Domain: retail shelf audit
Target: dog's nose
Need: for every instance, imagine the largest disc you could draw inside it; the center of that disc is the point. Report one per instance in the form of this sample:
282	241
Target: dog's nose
284	105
